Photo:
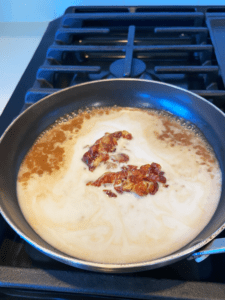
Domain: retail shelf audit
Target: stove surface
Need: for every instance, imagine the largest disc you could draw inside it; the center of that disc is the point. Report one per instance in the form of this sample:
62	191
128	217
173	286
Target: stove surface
177	45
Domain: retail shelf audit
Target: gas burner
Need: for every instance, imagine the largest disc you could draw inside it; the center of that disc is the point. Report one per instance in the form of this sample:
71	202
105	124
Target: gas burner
138	70
117	68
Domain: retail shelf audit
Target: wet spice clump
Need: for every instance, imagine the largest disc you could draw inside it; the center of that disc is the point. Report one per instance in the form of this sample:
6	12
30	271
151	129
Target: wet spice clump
142	181
99	152
110	193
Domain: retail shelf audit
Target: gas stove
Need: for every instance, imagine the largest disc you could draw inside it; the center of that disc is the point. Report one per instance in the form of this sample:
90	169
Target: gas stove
183	46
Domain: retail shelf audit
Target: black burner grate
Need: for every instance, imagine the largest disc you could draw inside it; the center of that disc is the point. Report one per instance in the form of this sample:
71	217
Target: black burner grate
172	46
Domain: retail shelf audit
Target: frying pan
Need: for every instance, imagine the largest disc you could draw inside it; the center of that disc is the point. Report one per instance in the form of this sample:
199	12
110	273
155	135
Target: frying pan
21	134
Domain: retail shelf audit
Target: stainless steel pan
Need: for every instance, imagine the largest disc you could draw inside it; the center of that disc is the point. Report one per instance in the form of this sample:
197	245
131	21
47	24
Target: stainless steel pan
21	134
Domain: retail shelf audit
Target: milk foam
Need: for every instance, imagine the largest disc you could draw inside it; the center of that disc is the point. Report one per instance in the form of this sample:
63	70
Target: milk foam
84	222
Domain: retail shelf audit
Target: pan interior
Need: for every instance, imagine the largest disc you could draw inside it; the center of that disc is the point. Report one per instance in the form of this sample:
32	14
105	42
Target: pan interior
127	93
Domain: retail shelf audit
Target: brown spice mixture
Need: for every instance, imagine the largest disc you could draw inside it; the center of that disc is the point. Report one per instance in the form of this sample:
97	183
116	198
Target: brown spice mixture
44	156
184	139
141	181
99	151
47	154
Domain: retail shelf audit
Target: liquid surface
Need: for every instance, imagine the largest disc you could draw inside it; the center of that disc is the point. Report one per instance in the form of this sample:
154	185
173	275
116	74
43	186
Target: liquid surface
84	222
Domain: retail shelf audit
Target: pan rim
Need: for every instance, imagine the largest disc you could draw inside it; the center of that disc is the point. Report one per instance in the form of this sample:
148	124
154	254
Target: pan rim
118	267
107	80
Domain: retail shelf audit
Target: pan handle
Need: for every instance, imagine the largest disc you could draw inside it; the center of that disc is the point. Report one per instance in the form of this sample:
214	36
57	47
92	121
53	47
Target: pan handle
215	247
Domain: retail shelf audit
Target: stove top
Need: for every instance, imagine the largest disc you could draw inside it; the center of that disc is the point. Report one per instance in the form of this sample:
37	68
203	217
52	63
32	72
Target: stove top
177	45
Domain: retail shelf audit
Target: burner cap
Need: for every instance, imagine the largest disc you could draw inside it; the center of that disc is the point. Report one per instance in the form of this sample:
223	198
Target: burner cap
117	67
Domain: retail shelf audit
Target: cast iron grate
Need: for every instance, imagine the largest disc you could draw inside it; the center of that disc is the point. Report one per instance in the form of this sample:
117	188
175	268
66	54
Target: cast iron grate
171	46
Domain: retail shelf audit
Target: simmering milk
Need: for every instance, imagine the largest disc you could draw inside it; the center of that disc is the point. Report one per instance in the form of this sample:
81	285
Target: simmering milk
84	222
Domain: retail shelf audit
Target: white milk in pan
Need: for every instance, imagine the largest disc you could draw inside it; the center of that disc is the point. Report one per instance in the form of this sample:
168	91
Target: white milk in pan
84	222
